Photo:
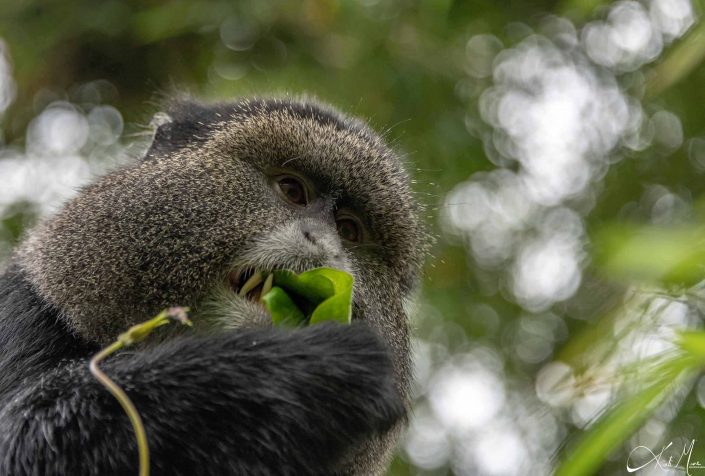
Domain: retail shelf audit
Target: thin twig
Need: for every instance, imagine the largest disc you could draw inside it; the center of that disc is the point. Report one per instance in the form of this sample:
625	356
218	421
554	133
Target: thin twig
133	335
125	403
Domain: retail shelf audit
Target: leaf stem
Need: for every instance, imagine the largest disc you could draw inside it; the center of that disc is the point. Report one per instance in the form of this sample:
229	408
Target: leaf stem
125	403
134	334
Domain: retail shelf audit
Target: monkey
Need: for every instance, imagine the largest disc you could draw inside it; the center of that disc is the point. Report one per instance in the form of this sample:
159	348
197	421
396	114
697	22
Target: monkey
222	191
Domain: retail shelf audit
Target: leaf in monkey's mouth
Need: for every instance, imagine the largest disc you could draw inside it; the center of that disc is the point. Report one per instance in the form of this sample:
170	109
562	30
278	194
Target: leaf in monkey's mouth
315	296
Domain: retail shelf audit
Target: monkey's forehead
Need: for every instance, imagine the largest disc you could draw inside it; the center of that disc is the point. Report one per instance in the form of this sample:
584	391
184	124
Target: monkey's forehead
189	111
341	154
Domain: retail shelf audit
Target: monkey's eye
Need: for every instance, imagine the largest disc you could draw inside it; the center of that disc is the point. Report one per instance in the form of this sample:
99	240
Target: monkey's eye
349	229
292	189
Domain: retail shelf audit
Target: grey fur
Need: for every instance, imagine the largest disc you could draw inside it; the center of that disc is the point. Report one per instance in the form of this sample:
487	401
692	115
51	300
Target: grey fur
166	230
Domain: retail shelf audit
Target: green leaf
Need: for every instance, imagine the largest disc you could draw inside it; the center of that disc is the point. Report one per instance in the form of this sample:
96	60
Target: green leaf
617	424
338	307
678	63
311	285
326	291
693	342
653	255
282	308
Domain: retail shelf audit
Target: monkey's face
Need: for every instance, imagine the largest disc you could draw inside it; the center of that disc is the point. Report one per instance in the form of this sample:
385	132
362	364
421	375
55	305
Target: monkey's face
310	228
223	191
313	191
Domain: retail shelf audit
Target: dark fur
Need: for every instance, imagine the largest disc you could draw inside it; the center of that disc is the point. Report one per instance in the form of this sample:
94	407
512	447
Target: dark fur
164	231
247	402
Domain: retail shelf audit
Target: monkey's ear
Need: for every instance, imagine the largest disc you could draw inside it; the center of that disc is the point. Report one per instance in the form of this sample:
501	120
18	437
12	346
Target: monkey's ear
161	126
184	122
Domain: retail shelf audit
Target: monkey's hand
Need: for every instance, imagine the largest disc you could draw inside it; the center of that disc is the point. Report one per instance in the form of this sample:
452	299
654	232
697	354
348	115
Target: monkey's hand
256	402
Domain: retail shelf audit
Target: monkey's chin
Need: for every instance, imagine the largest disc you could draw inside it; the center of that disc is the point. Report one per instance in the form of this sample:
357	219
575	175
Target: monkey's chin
224	309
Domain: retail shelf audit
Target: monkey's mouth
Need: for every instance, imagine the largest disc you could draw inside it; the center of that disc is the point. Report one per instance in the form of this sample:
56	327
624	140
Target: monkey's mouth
291	299
250	283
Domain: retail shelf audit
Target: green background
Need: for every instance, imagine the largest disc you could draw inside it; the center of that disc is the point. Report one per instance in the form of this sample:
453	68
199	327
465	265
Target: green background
421	72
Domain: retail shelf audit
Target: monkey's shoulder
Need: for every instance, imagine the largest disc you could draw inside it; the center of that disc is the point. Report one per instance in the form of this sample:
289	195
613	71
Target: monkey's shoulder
33	337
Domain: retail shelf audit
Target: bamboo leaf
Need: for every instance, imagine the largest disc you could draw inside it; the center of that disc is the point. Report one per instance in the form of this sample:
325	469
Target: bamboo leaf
618	423
653	255
680	61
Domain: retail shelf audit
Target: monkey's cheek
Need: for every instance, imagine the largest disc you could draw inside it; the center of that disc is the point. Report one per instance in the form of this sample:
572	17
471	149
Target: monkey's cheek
251	315
227	311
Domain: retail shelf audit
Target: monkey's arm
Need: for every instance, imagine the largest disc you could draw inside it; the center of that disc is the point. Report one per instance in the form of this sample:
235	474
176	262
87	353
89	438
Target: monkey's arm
249	403
259	402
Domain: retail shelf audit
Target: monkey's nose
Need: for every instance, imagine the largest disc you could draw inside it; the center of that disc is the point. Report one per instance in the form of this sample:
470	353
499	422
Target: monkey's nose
319	240
313	231
309	236
320	237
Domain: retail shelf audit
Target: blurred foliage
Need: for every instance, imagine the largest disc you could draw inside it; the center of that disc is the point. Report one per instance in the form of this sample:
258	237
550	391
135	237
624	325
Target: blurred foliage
676	256
632	409
406	66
